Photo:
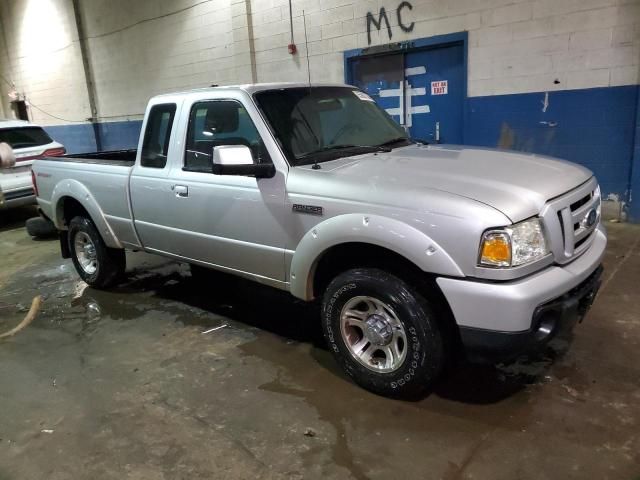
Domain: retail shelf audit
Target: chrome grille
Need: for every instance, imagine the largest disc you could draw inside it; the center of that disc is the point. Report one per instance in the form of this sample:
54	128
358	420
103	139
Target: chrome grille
566	220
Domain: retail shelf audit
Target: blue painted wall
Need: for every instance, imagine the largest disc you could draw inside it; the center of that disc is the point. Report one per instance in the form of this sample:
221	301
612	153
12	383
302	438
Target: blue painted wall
81	137
119	135
77	138
634	204
593	127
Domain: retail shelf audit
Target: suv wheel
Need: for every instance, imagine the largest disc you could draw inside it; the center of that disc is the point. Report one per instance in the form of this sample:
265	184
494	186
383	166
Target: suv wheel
97	264
383	333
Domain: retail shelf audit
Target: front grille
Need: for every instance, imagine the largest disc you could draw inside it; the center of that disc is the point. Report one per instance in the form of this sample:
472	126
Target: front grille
16	194
582	240
576	205
567	220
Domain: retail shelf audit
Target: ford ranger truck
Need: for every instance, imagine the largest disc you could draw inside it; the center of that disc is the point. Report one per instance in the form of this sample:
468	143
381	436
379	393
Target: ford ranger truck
411	249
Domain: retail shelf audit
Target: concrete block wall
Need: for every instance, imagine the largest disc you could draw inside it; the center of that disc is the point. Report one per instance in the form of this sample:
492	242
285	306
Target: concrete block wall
39	53
138	49
515	46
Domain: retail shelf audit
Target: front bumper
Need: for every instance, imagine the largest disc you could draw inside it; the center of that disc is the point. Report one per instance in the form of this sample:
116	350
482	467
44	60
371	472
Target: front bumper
550	319
509	317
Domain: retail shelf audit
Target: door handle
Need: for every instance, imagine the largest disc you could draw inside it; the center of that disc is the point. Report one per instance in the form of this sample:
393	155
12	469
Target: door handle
180	190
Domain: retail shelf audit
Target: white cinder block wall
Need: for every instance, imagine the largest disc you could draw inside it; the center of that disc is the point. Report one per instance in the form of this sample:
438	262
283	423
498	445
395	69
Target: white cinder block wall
40	54
515	46
141	48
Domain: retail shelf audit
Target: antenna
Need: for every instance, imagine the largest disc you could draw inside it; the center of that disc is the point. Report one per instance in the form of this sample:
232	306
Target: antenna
316	165
306	46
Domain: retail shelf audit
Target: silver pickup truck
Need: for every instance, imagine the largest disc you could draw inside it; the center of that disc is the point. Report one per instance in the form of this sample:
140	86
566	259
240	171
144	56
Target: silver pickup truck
412	249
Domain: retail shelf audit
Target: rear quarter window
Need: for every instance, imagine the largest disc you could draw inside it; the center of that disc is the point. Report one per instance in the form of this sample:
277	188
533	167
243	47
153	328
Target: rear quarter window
24	137
155	146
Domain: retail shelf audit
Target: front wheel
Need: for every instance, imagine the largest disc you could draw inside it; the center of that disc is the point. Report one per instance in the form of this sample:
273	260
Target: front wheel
97	264
383	333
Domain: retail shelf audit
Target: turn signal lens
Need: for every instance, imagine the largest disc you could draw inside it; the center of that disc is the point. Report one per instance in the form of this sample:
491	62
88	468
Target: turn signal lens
512	246
496	249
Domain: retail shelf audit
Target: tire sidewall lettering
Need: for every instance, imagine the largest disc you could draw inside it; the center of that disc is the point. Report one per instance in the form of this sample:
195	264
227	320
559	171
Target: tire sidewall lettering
329	311
419	368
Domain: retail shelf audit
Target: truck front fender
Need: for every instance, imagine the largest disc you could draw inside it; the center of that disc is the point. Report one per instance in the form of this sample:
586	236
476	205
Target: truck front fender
394	235
80	193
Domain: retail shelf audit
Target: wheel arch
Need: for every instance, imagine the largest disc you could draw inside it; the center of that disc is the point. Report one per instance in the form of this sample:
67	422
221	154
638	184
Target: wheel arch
71	198
338	241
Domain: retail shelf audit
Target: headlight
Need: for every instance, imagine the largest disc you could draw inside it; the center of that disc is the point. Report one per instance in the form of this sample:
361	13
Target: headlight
598	195
512	246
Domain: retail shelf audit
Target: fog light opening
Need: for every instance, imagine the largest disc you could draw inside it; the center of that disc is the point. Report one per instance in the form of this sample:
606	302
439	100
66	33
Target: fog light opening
546	326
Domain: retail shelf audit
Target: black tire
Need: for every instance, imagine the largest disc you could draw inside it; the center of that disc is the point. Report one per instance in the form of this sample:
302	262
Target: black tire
110	263
40	227
424	358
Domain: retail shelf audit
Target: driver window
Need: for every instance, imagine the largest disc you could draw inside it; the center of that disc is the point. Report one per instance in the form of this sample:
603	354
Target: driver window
219	122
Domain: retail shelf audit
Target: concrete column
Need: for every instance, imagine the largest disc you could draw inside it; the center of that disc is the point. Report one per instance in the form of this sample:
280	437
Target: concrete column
88	73
244	57
4	71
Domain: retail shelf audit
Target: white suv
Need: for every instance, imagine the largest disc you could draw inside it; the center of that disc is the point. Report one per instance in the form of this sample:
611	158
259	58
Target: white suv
29	142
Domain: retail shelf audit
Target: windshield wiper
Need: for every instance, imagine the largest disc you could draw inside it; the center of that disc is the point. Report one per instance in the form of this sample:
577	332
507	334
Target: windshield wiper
331	148
393	141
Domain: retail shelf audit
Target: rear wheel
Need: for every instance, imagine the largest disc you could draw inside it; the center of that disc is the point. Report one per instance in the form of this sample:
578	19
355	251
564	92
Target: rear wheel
383	333
97	264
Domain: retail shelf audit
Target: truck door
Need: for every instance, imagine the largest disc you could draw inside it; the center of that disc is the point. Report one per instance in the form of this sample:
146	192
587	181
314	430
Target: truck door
148	183
234	222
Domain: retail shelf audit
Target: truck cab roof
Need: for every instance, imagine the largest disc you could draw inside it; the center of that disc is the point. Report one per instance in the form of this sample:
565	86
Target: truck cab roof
251	88
12	123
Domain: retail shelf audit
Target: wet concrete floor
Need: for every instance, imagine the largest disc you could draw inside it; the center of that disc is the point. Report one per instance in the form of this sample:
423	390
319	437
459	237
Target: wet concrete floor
124	384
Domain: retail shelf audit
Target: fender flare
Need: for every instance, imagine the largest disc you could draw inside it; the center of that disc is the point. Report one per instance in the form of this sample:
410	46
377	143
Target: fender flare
394	235
79	192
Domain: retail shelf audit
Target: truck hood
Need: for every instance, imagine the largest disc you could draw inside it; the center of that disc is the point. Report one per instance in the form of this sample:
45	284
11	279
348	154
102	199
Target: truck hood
517	184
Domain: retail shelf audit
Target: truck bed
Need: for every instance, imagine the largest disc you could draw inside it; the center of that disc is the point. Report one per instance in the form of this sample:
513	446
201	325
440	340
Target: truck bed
104	176
123	158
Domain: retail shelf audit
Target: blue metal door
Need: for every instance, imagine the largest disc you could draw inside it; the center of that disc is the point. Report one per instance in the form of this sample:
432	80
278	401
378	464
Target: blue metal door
435	94
423	90
382	78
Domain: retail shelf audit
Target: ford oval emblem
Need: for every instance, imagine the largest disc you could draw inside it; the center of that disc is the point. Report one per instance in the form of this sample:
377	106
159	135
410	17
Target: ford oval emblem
590	218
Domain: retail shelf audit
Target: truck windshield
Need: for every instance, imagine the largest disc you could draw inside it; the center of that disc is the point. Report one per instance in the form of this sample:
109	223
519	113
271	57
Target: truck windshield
24	137
317	124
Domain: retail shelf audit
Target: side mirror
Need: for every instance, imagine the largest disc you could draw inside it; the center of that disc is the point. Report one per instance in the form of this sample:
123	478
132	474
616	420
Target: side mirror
238	160
7	157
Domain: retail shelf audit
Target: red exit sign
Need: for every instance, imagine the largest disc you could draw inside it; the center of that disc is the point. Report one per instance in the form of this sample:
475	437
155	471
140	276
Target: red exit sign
440	87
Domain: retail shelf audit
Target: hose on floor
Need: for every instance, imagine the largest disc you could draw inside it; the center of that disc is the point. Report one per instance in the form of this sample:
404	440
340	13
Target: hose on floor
30	317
